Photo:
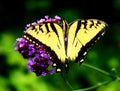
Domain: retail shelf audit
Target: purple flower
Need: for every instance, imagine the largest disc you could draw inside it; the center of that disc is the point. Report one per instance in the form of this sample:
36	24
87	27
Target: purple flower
45	19
39	60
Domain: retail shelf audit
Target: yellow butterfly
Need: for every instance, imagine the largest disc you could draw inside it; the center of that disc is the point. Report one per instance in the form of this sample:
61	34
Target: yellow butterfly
66	41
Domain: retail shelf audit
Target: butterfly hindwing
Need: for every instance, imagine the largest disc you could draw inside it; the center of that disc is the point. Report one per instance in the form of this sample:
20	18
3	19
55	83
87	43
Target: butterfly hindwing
81	35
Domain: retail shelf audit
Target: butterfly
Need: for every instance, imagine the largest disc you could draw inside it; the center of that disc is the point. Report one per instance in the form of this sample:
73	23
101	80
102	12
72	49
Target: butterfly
66	41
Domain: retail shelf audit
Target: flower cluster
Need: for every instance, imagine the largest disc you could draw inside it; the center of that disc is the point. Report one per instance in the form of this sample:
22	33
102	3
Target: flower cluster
39	61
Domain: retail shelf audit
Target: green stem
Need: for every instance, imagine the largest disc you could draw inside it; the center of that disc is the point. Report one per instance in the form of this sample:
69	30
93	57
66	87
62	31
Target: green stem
95	86
112	76
70	87
100	70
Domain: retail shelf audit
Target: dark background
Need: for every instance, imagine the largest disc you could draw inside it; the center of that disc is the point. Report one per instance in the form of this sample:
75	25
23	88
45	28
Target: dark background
14	15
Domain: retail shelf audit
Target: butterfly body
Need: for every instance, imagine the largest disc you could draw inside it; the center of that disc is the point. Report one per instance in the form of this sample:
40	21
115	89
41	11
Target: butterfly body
66	41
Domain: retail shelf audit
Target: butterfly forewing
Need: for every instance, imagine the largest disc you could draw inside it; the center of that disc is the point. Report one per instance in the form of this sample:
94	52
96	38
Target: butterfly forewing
51	35
80	34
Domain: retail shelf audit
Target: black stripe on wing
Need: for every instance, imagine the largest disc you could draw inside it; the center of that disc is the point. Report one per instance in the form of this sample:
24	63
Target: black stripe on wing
79	23
55	30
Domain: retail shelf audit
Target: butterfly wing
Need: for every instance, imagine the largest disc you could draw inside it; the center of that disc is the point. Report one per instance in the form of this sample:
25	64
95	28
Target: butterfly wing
49	34
82	34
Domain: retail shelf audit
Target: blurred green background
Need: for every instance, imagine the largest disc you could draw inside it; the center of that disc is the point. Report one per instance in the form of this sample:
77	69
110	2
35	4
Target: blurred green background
15	14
